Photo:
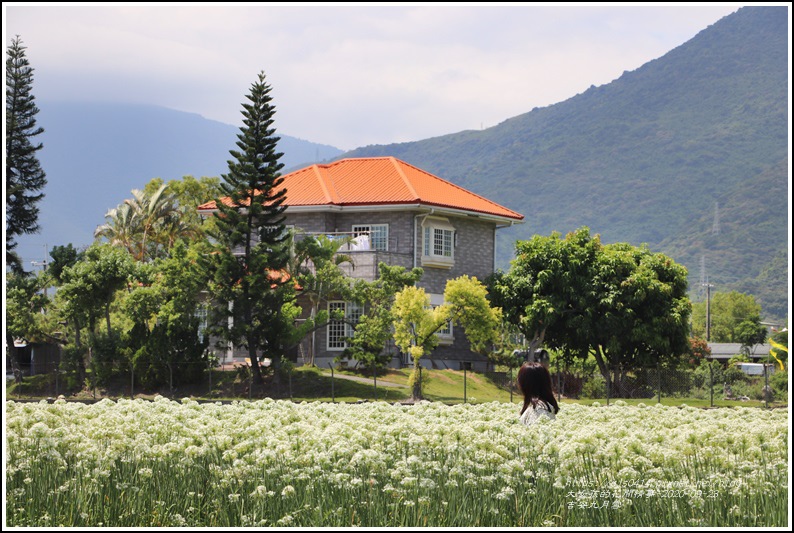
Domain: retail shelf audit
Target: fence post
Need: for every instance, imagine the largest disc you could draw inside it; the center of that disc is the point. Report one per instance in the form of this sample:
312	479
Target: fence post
609	384
510	384
563	373
464	382
711	384
132	381
289	377
766	386
209	373
251	379
331	366
375	380
56	382
659	382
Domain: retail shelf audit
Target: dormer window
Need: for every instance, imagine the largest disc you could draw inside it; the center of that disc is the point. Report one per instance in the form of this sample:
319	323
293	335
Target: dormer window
438	243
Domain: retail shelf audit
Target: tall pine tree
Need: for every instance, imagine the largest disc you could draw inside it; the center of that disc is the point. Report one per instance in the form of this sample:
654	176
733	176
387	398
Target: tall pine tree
250	281
24	176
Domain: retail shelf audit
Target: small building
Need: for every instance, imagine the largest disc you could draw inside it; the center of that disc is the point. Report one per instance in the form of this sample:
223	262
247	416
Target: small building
756	369
723	351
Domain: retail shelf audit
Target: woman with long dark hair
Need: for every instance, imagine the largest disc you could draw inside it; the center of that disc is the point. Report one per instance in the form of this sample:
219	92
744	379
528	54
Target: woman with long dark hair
534	381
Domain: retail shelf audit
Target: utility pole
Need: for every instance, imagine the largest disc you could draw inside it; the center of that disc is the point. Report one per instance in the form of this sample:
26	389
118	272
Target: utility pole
42	264
708	310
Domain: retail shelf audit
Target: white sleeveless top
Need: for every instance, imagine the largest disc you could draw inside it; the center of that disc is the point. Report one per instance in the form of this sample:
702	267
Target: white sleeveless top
532	415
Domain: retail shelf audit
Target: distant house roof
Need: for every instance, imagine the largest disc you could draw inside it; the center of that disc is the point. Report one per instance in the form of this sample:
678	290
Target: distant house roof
379	181
726	350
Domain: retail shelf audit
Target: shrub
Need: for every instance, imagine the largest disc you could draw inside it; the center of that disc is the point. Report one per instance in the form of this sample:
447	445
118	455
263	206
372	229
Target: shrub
779	383
594	387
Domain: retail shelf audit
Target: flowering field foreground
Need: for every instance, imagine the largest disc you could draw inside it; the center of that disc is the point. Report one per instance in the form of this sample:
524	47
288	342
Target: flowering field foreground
275	463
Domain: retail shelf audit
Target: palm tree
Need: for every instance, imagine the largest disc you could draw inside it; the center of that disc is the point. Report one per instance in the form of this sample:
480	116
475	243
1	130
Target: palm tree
314	264
151	211
121	228
173	227
144	222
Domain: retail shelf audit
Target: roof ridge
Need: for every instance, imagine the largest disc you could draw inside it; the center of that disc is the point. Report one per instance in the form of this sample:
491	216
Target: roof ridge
394	161
330	196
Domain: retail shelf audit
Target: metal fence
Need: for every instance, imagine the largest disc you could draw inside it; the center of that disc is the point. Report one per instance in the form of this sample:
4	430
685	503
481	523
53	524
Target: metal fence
710	382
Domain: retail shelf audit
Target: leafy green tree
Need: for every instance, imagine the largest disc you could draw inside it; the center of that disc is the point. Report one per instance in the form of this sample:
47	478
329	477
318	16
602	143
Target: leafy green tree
249	281
638	311
750	333
22	303
416	323
727	311
373	329
62	257
24	175
624	304
545	289
469	308
90	285
166	344
189	193
415	326
88	290
315	266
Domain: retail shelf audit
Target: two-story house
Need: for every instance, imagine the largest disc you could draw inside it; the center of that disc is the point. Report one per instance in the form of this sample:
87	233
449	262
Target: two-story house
401	215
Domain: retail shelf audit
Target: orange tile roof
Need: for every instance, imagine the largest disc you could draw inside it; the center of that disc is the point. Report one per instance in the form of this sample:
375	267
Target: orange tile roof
379	181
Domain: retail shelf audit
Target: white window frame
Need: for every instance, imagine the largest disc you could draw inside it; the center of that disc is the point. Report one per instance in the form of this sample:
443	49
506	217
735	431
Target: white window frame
372	230
337	330
438	242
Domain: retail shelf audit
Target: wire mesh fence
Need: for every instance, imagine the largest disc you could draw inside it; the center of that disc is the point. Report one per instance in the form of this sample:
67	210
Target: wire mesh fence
710	382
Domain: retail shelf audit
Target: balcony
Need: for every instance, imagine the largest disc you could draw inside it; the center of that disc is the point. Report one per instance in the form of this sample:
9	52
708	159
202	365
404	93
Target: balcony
363	260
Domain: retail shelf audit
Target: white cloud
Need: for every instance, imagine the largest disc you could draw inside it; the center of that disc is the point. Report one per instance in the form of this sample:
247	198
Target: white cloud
350	75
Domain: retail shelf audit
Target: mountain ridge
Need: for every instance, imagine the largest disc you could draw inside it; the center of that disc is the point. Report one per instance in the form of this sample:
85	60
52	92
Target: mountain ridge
642	158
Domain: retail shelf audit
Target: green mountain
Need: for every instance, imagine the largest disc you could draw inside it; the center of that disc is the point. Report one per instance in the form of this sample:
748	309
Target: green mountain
688	153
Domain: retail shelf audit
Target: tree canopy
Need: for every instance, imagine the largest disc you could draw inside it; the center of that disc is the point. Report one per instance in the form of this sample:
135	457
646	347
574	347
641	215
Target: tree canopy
416	322
626	305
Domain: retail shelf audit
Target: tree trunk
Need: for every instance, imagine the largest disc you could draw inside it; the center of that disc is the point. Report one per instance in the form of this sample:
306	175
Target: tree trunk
619	383
107	318
314	336
416	392
602	360
257	373
81	370
12	356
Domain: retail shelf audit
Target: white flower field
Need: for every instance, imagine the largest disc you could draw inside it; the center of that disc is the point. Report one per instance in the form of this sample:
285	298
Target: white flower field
138	463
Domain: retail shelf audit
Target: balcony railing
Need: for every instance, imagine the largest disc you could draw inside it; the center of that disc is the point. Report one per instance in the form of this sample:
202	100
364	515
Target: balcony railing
363	260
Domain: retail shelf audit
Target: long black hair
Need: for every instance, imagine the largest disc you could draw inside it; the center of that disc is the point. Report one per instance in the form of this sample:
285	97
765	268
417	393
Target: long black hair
534	381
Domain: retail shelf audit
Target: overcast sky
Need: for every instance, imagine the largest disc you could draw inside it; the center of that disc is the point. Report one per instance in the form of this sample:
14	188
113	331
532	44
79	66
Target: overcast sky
346	75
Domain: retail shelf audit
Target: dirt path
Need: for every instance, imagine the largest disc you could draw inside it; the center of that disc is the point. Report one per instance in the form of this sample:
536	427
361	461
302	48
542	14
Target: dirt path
364	380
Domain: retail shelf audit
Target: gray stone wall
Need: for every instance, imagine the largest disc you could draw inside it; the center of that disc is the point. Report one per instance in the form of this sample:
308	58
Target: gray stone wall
473	256
474	253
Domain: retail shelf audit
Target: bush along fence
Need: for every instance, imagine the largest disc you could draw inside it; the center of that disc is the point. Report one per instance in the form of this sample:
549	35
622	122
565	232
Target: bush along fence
710	381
